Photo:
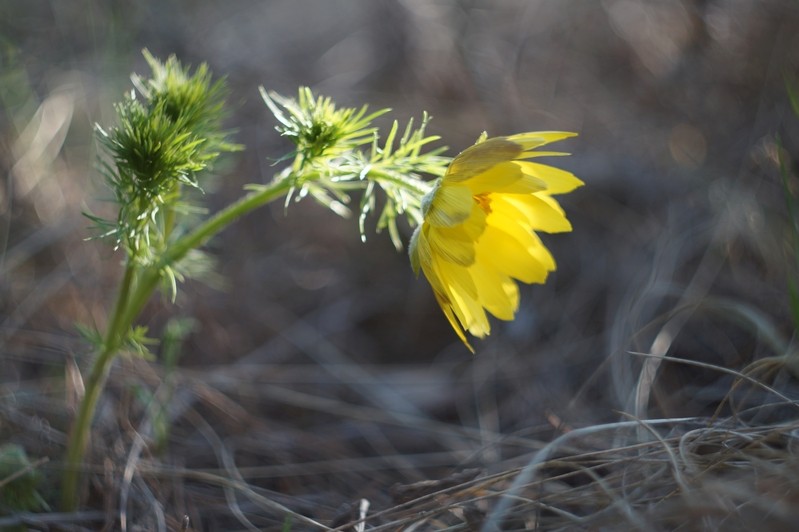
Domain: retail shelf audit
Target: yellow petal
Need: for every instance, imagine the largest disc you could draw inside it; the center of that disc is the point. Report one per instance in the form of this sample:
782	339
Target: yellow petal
456	243
455	279
450	292
472	315
453	321
425	258
541	212
478	234
541	253
507	178
498	293
480	157
505	220
452	244
536	153
470	229
507	255
462	294
532	140
448	205
558	181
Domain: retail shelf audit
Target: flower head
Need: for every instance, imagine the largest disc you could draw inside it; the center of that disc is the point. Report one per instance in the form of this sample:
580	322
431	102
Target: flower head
317	127
479	237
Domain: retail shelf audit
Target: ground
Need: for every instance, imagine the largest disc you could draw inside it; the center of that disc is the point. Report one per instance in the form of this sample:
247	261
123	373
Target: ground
320	372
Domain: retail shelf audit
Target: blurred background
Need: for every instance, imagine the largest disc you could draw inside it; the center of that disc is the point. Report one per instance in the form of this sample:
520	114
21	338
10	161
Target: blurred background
315	347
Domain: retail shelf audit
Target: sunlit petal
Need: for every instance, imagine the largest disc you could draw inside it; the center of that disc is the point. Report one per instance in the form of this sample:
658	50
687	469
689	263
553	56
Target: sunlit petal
557	181
478	236
505	177
541	213
478	158
450	205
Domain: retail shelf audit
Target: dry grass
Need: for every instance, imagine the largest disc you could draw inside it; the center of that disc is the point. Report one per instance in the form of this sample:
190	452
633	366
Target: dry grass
228	468
650	385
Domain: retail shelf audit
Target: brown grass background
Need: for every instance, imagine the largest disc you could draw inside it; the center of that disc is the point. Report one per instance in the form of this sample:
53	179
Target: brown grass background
320	372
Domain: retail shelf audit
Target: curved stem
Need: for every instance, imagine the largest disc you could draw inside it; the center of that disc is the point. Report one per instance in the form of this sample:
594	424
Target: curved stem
81	427
222	219
136	288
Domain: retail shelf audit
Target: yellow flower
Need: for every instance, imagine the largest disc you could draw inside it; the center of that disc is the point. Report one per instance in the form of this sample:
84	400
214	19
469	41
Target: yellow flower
478	235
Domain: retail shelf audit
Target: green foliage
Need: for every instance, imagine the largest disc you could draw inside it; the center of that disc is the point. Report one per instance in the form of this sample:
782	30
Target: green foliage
168	134
90	335
165	136
399	172
791	202
317	128
339	152
19	481
176	332
792	88
138	343
195	101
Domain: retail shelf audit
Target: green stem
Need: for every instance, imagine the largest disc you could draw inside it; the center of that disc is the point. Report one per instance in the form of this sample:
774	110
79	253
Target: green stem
135	291
415	186
223	218
81	427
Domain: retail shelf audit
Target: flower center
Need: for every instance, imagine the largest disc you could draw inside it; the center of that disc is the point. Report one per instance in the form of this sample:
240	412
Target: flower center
484	202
